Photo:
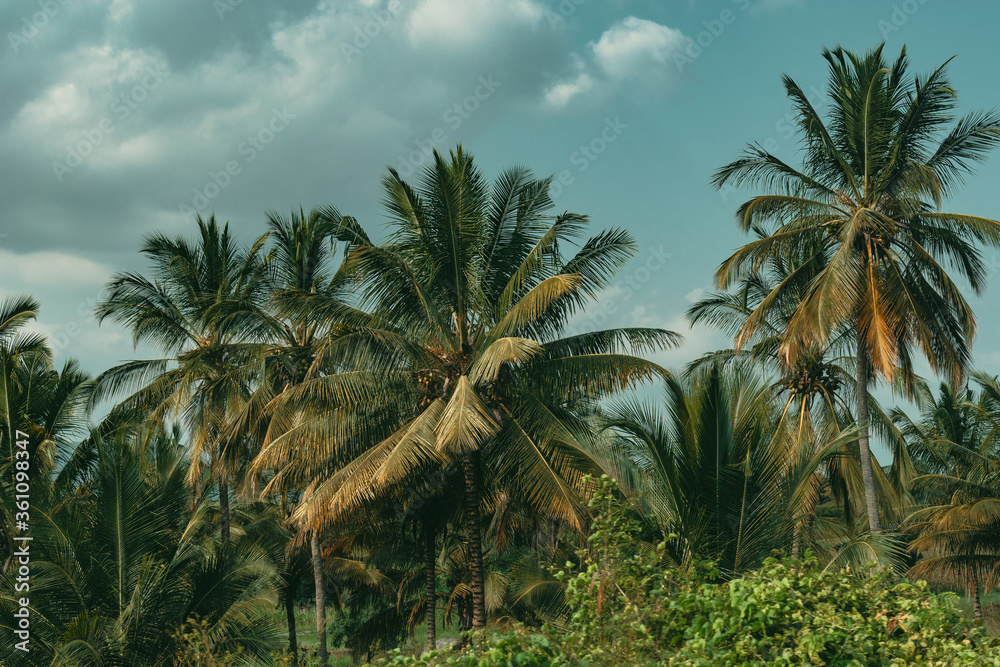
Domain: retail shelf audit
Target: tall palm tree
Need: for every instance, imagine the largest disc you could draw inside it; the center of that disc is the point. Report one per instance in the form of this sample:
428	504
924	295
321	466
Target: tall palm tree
300	265
195	309
868	195
816	389
470	296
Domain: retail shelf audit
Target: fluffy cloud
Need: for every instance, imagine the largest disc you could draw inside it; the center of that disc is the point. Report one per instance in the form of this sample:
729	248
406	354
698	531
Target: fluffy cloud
456	24
360	82
632	49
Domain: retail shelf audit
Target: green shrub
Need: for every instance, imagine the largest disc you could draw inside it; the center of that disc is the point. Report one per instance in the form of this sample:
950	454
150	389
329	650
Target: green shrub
626	609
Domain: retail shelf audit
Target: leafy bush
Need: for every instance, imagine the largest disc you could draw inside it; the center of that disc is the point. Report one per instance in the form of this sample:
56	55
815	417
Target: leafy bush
626	609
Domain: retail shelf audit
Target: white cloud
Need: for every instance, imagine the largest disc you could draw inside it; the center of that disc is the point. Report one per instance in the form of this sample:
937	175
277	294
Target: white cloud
631	47
463	23
562	92
50	269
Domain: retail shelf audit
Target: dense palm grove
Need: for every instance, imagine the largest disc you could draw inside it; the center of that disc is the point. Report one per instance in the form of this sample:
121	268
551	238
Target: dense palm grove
411	435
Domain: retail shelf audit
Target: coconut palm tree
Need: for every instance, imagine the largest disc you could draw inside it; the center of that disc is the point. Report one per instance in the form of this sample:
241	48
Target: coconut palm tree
299	264
718	467
46	404
197	308
868	196
471	295
119	565
816	390
956	522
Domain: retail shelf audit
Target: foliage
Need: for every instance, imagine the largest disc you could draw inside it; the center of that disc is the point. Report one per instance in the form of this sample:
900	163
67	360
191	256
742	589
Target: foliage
629	610
866	202
122	562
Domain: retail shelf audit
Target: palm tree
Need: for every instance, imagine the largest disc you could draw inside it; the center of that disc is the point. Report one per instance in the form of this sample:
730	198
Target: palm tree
718	466
868	197
120	565
299	265
816	389
196	310
470	296
954	443
36	399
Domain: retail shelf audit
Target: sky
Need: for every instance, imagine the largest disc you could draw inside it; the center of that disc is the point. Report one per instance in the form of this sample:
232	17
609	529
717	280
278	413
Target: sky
119	118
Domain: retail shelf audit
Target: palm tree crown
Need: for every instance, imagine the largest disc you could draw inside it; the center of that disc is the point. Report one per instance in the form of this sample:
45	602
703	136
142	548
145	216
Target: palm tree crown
867	198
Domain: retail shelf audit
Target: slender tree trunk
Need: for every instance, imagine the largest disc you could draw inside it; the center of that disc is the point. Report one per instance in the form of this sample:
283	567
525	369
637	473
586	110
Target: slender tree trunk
867	475
224	511
293	642
317	563
977	606
431	574
802	527
473	528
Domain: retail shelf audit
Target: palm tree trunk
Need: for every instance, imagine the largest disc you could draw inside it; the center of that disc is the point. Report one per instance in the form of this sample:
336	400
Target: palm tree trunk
867	474
977	606
317	563
431	613
802	527
224	511
293	642
473	528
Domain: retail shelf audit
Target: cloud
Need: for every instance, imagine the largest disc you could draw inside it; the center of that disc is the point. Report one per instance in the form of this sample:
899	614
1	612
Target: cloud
458	24
633	46
50	269
694	295
631	50
362	83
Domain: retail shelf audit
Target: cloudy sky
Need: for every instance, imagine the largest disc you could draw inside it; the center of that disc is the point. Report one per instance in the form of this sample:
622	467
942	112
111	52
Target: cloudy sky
120	117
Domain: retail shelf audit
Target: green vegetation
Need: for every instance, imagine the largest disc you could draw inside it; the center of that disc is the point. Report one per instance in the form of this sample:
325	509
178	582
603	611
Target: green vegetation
350	451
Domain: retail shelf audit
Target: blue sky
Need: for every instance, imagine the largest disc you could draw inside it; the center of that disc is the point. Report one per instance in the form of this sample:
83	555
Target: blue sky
120	117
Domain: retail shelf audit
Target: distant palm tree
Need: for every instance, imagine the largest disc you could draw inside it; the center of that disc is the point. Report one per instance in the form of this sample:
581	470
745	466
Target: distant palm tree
956	445
200	308
868	197
471	295
719	468
299	266
120	565
46	404
816	389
